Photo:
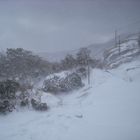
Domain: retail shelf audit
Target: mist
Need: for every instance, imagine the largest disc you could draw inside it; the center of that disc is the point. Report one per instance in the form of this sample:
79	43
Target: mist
58	25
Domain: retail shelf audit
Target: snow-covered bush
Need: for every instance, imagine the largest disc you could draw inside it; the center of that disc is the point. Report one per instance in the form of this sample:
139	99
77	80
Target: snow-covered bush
24	98
37	105
32	99
72	81
66	83
7	106
52	84
8	95
8	89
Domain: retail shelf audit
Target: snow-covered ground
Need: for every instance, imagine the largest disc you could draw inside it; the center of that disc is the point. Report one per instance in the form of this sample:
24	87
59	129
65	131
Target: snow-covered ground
108	109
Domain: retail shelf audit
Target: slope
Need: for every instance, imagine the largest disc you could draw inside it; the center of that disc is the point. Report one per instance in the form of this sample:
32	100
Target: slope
125	51
107	110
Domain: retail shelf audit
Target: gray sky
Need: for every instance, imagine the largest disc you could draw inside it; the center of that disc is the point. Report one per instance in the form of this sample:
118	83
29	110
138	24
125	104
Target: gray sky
56	25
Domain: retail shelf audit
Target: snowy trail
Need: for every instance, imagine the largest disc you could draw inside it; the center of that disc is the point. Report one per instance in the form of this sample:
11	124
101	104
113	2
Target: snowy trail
109	110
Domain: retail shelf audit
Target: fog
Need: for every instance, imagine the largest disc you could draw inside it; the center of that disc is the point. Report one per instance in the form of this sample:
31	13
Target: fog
58	25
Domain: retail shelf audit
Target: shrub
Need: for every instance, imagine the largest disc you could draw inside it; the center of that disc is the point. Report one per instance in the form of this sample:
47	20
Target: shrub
38	105
8	89
64	84
6	106
24	98
8	95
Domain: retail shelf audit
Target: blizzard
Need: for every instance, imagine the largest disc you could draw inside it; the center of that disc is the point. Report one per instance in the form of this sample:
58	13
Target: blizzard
107	109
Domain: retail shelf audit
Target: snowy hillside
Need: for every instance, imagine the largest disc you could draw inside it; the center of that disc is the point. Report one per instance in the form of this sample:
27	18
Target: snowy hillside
126	51
108	109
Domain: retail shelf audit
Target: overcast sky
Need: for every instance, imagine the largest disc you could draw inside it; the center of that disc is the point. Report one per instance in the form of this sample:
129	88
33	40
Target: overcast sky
56	25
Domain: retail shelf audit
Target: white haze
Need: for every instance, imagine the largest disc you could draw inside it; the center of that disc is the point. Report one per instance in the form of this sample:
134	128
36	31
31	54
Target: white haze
48	26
